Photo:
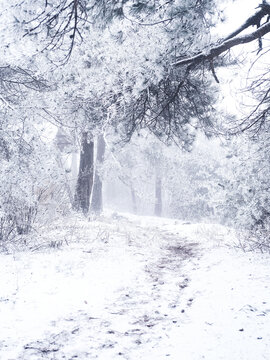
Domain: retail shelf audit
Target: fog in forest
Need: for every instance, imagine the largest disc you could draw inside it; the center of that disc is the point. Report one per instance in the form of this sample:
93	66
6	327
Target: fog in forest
134	179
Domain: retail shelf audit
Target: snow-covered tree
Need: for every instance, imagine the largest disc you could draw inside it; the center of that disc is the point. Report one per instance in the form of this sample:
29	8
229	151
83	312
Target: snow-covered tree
247	185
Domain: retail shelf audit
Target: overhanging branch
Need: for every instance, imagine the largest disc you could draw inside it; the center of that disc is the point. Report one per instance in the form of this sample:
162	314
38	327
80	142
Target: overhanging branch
224	46
254	20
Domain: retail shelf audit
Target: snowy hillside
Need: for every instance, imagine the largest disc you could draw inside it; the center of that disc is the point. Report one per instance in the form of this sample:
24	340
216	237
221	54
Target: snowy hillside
126	287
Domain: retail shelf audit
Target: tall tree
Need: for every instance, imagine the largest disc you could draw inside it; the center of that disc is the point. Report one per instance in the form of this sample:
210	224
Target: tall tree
97	196
86	173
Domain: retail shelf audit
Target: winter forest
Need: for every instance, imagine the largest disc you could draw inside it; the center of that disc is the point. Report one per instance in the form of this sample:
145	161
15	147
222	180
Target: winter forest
134	179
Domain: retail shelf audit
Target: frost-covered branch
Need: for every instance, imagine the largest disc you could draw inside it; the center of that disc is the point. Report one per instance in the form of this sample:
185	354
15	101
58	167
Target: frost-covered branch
225	46
233	40
61	21
14	80
254	20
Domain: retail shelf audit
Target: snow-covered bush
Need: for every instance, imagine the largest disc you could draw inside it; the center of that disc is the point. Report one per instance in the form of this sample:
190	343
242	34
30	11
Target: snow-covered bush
247	190
28	169
194	182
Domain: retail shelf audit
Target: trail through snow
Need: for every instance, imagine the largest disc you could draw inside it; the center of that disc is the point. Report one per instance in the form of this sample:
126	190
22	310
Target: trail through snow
126	287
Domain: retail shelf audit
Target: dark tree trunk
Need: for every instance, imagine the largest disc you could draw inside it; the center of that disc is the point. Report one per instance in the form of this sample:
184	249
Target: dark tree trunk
158	194
85	176
97	200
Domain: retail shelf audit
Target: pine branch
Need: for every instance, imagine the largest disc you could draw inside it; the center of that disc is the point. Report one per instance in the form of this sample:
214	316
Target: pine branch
254	20
224	46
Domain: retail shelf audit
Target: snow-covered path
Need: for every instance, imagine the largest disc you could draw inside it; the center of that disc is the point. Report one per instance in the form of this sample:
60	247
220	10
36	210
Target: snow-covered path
134	288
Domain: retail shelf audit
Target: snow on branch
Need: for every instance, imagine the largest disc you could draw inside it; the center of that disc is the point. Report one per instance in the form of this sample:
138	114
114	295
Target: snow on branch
254	20
232	40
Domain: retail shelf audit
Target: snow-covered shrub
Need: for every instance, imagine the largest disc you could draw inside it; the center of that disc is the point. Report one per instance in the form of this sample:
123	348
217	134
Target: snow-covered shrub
27	167
247	191
194	182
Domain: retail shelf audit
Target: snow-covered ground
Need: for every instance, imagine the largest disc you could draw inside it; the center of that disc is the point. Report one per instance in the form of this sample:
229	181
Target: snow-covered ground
126	287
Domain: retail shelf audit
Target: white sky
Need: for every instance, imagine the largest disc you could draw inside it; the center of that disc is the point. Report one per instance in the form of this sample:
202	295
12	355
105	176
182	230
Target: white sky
233	79
236	13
